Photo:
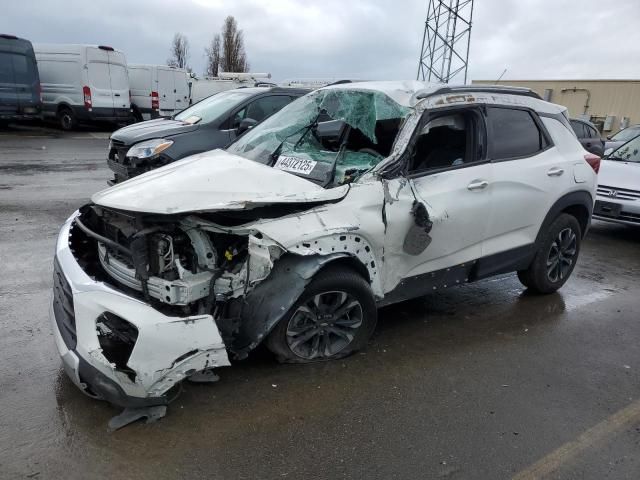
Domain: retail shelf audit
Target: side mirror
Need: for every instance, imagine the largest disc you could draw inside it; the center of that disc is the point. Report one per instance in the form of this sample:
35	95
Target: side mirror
608	137
246	124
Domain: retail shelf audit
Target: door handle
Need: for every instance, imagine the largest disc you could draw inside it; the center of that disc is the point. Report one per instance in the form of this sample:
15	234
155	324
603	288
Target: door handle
477	185
116	94
555	172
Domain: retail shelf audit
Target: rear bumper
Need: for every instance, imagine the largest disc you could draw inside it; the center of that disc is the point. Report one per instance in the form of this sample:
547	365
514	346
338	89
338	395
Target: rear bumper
102	114
167	350
33	112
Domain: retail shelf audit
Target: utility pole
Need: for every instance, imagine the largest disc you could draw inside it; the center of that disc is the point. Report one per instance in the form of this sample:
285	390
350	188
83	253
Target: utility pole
446	41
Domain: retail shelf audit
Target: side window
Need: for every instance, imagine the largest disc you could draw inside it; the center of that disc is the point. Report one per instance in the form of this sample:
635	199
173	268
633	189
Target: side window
578	127
446	141
513	133
266	106
594	133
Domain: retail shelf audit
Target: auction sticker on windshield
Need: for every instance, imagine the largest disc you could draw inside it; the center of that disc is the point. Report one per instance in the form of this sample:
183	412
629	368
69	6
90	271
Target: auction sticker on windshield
295	164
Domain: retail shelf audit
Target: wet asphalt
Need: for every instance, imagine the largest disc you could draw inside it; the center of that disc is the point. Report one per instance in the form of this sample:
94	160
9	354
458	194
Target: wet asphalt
478	382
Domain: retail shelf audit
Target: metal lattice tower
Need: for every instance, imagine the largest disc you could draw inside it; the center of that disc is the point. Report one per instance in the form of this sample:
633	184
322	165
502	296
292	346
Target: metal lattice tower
446	40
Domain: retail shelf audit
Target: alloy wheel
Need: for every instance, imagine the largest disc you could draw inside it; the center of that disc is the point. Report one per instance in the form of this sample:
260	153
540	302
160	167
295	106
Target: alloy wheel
324	325
561	255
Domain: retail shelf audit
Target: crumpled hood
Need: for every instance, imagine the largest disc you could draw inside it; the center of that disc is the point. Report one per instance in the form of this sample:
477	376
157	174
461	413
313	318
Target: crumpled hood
618	174
212	181
159	128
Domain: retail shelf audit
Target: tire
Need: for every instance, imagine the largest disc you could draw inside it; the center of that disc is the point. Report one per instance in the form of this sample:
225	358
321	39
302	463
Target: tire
334	288
66	119
556	256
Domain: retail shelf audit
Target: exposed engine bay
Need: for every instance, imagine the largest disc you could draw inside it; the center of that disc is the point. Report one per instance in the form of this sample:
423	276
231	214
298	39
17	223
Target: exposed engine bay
183	264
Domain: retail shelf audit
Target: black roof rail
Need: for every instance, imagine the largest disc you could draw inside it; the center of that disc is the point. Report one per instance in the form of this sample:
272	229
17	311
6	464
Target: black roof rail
525	92
339	82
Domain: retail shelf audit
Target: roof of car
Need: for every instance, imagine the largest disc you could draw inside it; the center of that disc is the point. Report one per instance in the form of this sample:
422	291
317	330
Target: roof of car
587	122
258	90
409	93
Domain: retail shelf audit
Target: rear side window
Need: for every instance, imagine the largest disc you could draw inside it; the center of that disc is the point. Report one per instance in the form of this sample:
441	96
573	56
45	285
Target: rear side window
578	127
513	133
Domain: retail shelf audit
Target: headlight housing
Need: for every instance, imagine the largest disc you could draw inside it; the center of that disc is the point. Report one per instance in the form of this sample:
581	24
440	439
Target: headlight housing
149	148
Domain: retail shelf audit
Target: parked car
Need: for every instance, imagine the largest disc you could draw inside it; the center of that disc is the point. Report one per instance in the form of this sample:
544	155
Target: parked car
83	83
352	197
618	198
588	135
157	91
620	138
212	123
19	80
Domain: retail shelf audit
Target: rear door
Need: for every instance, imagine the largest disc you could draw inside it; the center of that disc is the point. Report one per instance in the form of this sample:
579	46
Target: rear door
181	90
166	87
8	93
119	80
25	74
99	78
528	175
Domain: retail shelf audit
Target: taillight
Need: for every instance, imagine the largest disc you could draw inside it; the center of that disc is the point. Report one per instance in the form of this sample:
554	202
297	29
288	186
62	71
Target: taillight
86	91
155	101
593	161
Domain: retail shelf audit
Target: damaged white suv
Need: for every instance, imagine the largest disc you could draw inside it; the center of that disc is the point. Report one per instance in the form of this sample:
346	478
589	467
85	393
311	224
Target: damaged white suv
352	197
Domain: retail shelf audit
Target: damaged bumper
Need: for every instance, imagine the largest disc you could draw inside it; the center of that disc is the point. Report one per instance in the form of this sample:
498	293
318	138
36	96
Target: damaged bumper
118	348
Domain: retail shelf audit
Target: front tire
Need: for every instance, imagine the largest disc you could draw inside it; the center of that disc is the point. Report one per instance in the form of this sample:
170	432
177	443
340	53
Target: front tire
556	256
334	317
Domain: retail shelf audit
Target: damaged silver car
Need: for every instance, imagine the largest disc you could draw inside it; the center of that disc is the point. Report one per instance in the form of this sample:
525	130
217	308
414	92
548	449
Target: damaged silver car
352	197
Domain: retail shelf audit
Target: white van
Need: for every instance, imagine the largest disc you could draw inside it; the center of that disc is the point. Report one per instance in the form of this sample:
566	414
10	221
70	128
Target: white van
202	88
157	90
83	83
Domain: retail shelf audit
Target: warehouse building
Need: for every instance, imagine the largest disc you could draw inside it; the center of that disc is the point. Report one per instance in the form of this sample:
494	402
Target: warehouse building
610	104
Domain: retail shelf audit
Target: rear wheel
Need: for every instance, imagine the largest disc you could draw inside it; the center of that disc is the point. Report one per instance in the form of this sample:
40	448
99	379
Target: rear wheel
334	317
66	119
556	256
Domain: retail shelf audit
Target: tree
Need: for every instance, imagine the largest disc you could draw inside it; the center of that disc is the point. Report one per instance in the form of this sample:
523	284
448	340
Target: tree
179	52
212	53
234	58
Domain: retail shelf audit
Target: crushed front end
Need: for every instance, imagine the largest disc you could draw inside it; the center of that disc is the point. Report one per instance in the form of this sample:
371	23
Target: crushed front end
142	302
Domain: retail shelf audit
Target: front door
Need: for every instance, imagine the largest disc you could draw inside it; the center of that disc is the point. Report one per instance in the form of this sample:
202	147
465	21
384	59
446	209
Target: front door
448	175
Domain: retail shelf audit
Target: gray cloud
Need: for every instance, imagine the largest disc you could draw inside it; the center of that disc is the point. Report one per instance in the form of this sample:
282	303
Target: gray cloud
358	38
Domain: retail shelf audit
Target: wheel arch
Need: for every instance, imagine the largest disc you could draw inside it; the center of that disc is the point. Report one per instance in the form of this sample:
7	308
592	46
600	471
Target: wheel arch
579	204
264	306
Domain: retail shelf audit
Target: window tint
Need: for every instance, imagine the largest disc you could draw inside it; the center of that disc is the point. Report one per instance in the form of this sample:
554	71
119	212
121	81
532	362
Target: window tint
266	106
513	133
443	143
6	68
578	127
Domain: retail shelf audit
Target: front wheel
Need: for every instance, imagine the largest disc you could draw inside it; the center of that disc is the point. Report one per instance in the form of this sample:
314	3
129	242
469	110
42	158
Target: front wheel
334	317
556	256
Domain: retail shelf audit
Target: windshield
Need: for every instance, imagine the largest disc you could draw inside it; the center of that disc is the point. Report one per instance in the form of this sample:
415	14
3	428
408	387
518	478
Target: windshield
629	152
330	136
626	134
211	107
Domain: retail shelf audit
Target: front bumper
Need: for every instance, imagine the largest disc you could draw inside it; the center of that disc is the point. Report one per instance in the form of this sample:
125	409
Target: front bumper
167	350
612	209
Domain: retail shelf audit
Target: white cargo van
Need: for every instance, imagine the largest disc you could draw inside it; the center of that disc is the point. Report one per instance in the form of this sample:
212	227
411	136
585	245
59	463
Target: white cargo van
83	83
157	90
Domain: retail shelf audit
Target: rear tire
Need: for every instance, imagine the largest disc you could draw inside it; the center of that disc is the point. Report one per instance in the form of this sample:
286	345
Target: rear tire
556	256
67	119
334	317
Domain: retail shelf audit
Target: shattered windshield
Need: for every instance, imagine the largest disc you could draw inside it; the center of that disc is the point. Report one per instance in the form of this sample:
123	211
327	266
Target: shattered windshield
330	136
629	152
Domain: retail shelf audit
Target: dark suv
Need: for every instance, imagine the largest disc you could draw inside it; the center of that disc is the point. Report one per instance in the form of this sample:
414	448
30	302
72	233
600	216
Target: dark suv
211	123
19	80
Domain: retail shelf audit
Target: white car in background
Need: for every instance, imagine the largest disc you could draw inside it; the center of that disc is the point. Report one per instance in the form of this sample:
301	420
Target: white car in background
157	90
83	83
618	198
352	197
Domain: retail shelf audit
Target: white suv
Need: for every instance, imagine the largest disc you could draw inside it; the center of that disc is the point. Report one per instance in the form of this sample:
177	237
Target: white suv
352	197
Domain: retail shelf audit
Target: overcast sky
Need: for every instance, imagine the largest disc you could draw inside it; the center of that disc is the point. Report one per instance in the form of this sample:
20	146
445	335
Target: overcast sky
369	39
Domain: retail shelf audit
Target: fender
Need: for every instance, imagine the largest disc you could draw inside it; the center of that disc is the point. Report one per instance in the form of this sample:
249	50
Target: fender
580	198
262	308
